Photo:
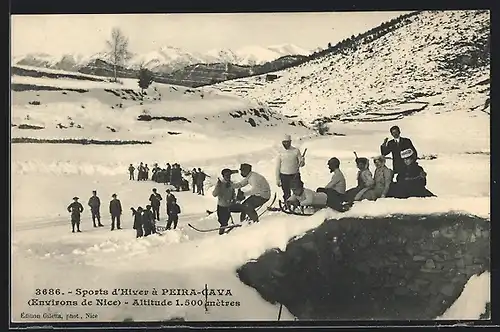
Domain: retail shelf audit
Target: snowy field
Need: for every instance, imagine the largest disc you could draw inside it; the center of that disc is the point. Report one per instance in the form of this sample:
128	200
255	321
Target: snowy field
45	254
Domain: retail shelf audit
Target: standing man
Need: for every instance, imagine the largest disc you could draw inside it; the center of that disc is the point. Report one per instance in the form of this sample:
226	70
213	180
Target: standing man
194	180
395	146
115	209
155	199
95	206
170	198
76	209
257	196
131	170
200	181
288	166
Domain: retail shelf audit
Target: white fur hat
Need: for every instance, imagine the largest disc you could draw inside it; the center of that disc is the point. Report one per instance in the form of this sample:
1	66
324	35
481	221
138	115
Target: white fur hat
406	153
286	138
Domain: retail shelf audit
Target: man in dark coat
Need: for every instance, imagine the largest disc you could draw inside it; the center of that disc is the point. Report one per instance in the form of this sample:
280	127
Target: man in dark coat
115	209
75	209
200	182
138	226
140	172
173	211
131	170
148	221
168	174
155	200
194	179
95	206
395	146
176	177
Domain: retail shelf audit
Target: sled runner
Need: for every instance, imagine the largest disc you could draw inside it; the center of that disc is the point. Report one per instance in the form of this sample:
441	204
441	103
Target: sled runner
231	227
306	211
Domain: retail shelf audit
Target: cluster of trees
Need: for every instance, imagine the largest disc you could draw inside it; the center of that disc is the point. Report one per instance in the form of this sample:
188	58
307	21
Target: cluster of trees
118	54
351	44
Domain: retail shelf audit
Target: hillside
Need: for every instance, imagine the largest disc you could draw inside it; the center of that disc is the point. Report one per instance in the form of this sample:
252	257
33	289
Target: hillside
437	61
58	104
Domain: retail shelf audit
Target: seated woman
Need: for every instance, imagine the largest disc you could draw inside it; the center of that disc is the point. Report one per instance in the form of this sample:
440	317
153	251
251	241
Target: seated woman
411	181
364	189
382	177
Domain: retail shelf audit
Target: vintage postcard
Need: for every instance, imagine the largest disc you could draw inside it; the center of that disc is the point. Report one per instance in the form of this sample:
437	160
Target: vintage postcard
250	167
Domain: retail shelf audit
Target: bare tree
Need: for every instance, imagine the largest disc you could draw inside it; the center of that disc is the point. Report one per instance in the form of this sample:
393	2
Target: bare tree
117	49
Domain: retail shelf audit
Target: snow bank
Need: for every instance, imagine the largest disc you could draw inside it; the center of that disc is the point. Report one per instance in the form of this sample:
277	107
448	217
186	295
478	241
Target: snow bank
472	302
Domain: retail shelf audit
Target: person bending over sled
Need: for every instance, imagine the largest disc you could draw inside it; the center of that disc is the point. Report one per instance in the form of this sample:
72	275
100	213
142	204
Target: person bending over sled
411	180
364	189
226	198
257	196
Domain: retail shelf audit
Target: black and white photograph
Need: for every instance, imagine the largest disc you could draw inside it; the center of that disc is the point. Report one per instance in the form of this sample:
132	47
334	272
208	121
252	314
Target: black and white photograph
286	166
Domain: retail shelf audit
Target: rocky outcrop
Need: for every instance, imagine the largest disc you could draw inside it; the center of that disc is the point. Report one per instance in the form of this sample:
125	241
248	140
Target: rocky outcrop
397	267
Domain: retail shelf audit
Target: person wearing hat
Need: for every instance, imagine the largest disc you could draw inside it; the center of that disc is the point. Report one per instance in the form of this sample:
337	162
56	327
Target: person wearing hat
169	198
395	146
148	221
131	170
115	209
336	188
411	180
155	200
138	226
95	206
258	195
194	180
288	164
382	177
75	208
226	197
200	182
364	189
173	214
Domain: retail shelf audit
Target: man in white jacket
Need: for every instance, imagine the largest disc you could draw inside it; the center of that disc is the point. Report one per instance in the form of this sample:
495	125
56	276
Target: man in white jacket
288	164
257	196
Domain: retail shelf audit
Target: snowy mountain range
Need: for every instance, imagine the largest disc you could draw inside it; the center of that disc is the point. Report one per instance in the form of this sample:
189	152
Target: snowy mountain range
167	58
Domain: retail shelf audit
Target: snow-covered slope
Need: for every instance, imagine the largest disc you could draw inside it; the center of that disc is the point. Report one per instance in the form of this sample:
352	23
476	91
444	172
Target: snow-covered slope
438	57
46	176
167	58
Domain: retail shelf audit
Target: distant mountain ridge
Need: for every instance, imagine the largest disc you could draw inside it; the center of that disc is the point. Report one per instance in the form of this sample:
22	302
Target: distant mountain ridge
166	59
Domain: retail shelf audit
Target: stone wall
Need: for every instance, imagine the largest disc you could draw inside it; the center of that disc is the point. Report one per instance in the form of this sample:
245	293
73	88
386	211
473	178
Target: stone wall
397	267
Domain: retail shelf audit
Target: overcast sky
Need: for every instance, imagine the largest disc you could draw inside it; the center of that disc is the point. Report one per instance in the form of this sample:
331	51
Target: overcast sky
86	34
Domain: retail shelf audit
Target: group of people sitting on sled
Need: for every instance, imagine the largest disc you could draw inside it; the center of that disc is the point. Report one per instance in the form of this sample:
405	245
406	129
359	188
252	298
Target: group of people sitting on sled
411	180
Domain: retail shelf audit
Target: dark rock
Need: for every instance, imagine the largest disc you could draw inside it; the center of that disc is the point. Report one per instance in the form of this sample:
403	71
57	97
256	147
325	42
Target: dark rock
422	282
363	268
429	264
460	263
401	291
448	289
